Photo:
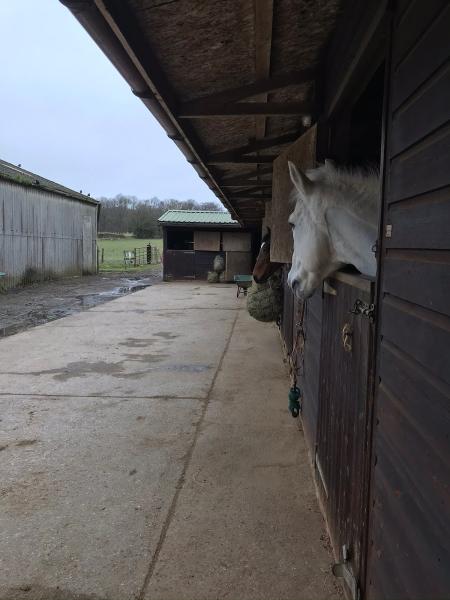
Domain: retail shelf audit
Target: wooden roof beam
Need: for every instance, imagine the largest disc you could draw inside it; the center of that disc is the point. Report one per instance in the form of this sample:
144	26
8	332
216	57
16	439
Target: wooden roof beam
263	50
243	92
238	160
256	145
267	170
253	185
247	109
249	197
249	194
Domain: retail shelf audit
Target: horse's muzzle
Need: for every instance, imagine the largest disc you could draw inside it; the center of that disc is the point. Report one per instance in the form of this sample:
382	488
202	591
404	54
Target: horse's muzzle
298	293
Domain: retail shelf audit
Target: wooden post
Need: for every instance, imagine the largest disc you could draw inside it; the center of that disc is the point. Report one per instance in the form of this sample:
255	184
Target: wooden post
103	255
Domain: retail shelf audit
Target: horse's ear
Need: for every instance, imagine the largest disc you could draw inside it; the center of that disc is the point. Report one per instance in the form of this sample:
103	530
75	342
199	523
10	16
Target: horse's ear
300	180
330	164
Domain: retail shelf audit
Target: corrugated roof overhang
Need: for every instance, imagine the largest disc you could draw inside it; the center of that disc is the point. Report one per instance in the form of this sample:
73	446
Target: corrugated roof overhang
20	176
208	218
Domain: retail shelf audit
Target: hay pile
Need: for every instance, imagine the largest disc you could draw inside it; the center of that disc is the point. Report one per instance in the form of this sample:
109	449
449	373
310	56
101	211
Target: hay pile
219	264
218	275
265	300
212	277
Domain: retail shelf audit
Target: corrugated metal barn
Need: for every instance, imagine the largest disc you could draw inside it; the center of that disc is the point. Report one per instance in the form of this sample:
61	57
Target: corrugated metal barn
46	229
242	87
193	238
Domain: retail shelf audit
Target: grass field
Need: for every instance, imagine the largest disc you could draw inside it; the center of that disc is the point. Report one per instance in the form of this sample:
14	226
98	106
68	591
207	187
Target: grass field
114	249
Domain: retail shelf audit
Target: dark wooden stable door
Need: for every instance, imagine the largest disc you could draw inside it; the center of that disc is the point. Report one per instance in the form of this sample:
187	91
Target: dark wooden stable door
179	264
409	537
344	418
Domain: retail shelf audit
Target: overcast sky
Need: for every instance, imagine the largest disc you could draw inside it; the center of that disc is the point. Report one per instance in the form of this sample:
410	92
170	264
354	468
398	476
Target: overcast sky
66	113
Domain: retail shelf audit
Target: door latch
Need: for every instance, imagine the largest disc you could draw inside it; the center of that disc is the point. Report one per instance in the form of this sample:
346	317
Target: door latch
364	309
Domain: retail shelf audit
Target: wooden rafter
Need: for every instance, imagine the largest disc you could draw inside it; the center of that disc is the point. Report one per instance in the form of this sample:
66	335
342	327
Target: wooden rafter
267	170
244	109
255	160
263	49
237	94
256	145
251	193
267	183
250	185
249	197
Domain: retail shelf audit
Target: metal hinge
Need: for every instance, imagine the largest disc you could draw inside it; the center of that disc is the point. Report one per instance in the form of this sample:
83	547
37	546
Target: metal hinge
342	570
364	309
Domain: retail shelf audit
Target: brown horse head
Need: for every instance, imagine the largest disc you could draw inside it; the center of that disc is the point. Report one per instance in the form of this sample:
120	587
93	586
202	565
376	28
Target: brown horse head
263	268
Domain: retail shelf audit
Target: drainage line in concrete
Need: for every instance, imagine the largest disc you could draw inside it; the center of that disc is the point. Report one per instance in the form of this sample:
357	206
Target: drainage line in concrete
32	395
182	477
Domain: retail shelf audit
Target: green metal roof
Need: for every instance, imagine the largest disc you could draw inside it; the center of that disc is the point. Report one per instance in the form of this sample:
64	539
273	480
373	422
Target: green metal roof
19	175
200	217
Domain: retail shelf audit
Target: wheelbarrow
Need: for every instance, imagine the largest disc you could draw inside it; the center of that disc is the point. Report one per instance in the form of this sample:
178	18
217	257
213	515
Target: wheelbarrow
243	282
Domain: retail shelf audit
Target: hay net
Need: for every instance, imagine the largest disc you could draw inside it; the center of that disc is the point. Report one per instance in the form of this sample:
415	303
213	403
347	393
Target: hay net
265	300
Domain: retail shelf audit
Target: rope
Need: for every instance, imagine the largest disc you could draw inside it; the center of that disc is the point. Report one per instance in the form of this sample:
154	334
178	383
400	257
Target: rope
297	348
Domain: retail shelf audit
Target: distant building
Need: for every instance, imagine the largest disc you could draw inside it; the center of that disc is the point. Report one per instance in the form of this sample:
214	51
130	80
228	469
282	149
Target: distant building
193	238
46	229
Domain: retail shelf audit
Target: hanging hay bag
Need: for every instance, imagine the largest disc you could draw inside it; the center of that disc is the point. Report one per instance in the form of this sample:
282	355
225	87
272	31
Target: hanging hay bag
212	277
219	264
265	300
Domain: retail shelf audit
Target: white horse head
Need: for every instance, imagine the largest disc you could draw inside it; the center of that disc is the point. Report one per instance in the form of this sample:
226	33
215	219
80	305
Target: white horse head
334	223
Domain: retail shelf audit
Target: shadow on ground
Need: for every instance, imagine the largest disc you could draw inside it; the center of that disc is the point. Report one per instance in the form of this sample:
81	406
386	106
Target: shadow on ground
28	592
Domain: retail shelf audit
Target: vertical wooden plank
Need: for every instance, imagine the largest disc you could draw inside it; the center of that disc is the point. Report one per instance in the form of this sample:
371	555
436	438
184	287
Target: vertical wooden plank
408	550
303	154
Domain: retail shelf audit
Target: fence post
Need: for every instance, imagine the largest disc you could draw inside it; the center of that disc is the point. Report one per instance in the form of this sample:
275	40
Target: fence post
149	254
98	251
135	256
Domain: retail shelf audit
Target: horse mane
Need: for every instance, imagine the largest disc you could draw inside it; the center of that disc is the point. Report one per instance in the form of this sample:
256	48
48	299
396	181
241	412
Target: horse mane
359	186
266	236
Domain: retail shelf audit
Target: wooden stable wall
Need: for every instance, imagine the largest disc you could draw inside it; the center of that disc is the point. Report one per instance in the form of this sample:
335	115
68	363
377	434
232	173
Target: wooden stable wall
409	548
303	154
383	465
194	262
344	417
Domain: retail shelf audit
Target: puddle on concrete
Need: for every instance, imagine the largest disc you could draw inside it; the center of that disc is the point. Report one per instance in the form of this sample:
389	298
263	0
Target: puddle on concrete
189	368
167	335
130	286
41	313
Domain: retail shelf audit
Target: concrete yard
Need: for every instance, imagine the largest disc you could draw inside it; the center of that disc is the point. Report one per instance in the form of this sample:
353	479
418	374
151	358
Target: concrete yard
147	453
